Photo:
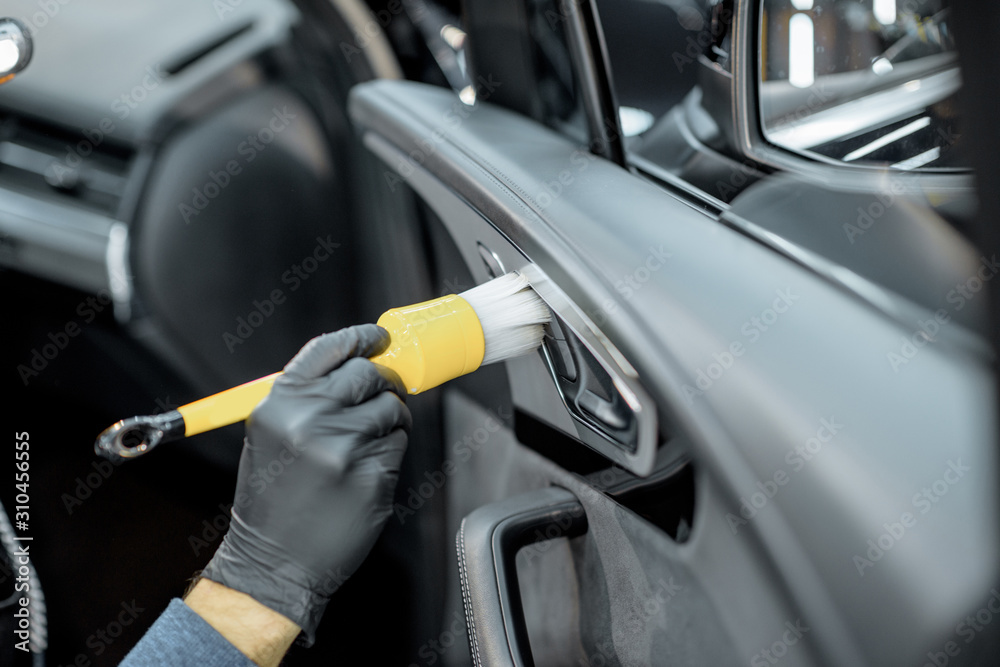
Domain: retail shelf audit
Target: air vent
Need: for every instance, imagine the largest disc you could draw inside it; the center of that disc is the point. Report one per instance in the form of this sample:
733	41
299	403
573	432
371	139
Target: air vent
49	162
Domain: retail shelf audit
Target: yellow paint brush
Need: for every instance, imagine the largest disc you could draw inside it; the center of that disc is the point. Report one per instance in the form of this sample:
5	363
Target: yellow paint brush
430	343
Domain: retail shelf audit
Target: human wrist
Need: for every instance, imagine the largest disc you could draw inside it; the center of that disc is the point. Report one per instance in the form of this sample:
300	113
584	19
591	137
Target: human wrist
260	633
249	562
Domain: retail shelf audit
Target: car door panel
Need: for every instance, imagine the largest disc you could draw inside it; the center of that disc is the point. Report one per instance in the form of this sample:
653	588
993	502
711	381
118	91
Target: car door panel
569	592
637	596
681	297
536	394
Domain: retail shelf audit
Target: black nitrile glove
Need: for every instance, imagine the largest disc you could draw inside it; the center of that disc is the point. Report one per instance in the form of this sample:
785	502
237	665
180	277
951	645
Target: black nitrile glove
316	477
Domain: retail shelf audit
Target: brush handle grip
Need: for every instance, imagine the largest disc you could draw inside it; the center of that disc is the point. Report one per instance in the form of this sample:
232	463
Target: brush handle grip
225	408
430	343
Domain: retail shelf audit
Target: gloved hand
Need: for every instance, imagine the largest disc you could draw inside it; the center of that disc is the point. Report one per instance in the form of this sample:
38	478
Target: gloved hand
317	476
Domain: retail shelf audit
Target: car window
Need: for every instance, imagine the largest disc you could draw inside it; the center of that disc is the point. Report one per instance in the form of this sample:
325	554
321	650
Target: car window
870	83
861	83
670	67
653	48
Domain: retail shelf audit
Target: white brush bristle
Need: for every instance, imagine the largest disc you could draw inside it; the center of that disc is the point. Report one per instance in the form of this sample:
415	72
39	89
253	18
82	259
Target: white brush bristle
511	314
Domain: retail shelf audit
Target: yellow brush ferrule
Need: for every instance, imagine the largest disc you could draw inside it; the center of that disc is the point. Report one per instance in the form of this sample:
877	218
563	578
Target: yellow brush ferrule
225	408
432	342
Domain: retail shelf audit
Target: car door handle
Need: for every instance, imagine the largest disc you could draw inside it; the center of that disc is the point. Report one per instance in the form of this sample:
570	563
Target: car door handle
603	410
600	389
487	544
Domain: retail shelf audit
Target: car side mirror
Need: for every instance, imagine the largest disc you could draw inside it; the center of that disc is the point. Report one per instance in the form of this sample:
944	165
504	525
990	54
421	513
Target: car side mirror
860	84
15	48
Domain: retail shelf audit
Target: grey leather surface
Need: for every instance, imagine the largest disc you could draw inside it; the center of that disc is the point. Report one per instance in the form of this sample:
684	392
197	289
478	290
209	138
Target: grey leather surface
482	593
492	469
623	593
827	357
881	238
639	605
80	70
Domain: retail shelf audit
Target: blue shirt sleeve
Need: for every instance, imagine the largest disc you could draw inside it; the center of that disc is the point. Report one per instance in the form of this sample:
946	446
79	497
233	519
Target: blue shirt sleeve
180	637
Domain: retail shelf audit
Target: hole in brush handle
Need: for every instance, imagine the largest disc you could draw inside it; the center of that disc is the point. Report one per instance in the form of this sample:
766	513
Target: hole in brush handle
135	436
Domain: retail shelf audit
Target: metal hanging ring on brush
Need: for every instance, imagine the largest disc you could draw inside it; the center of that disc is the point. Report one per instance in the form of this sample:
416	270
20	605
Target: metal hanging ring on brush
135	436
